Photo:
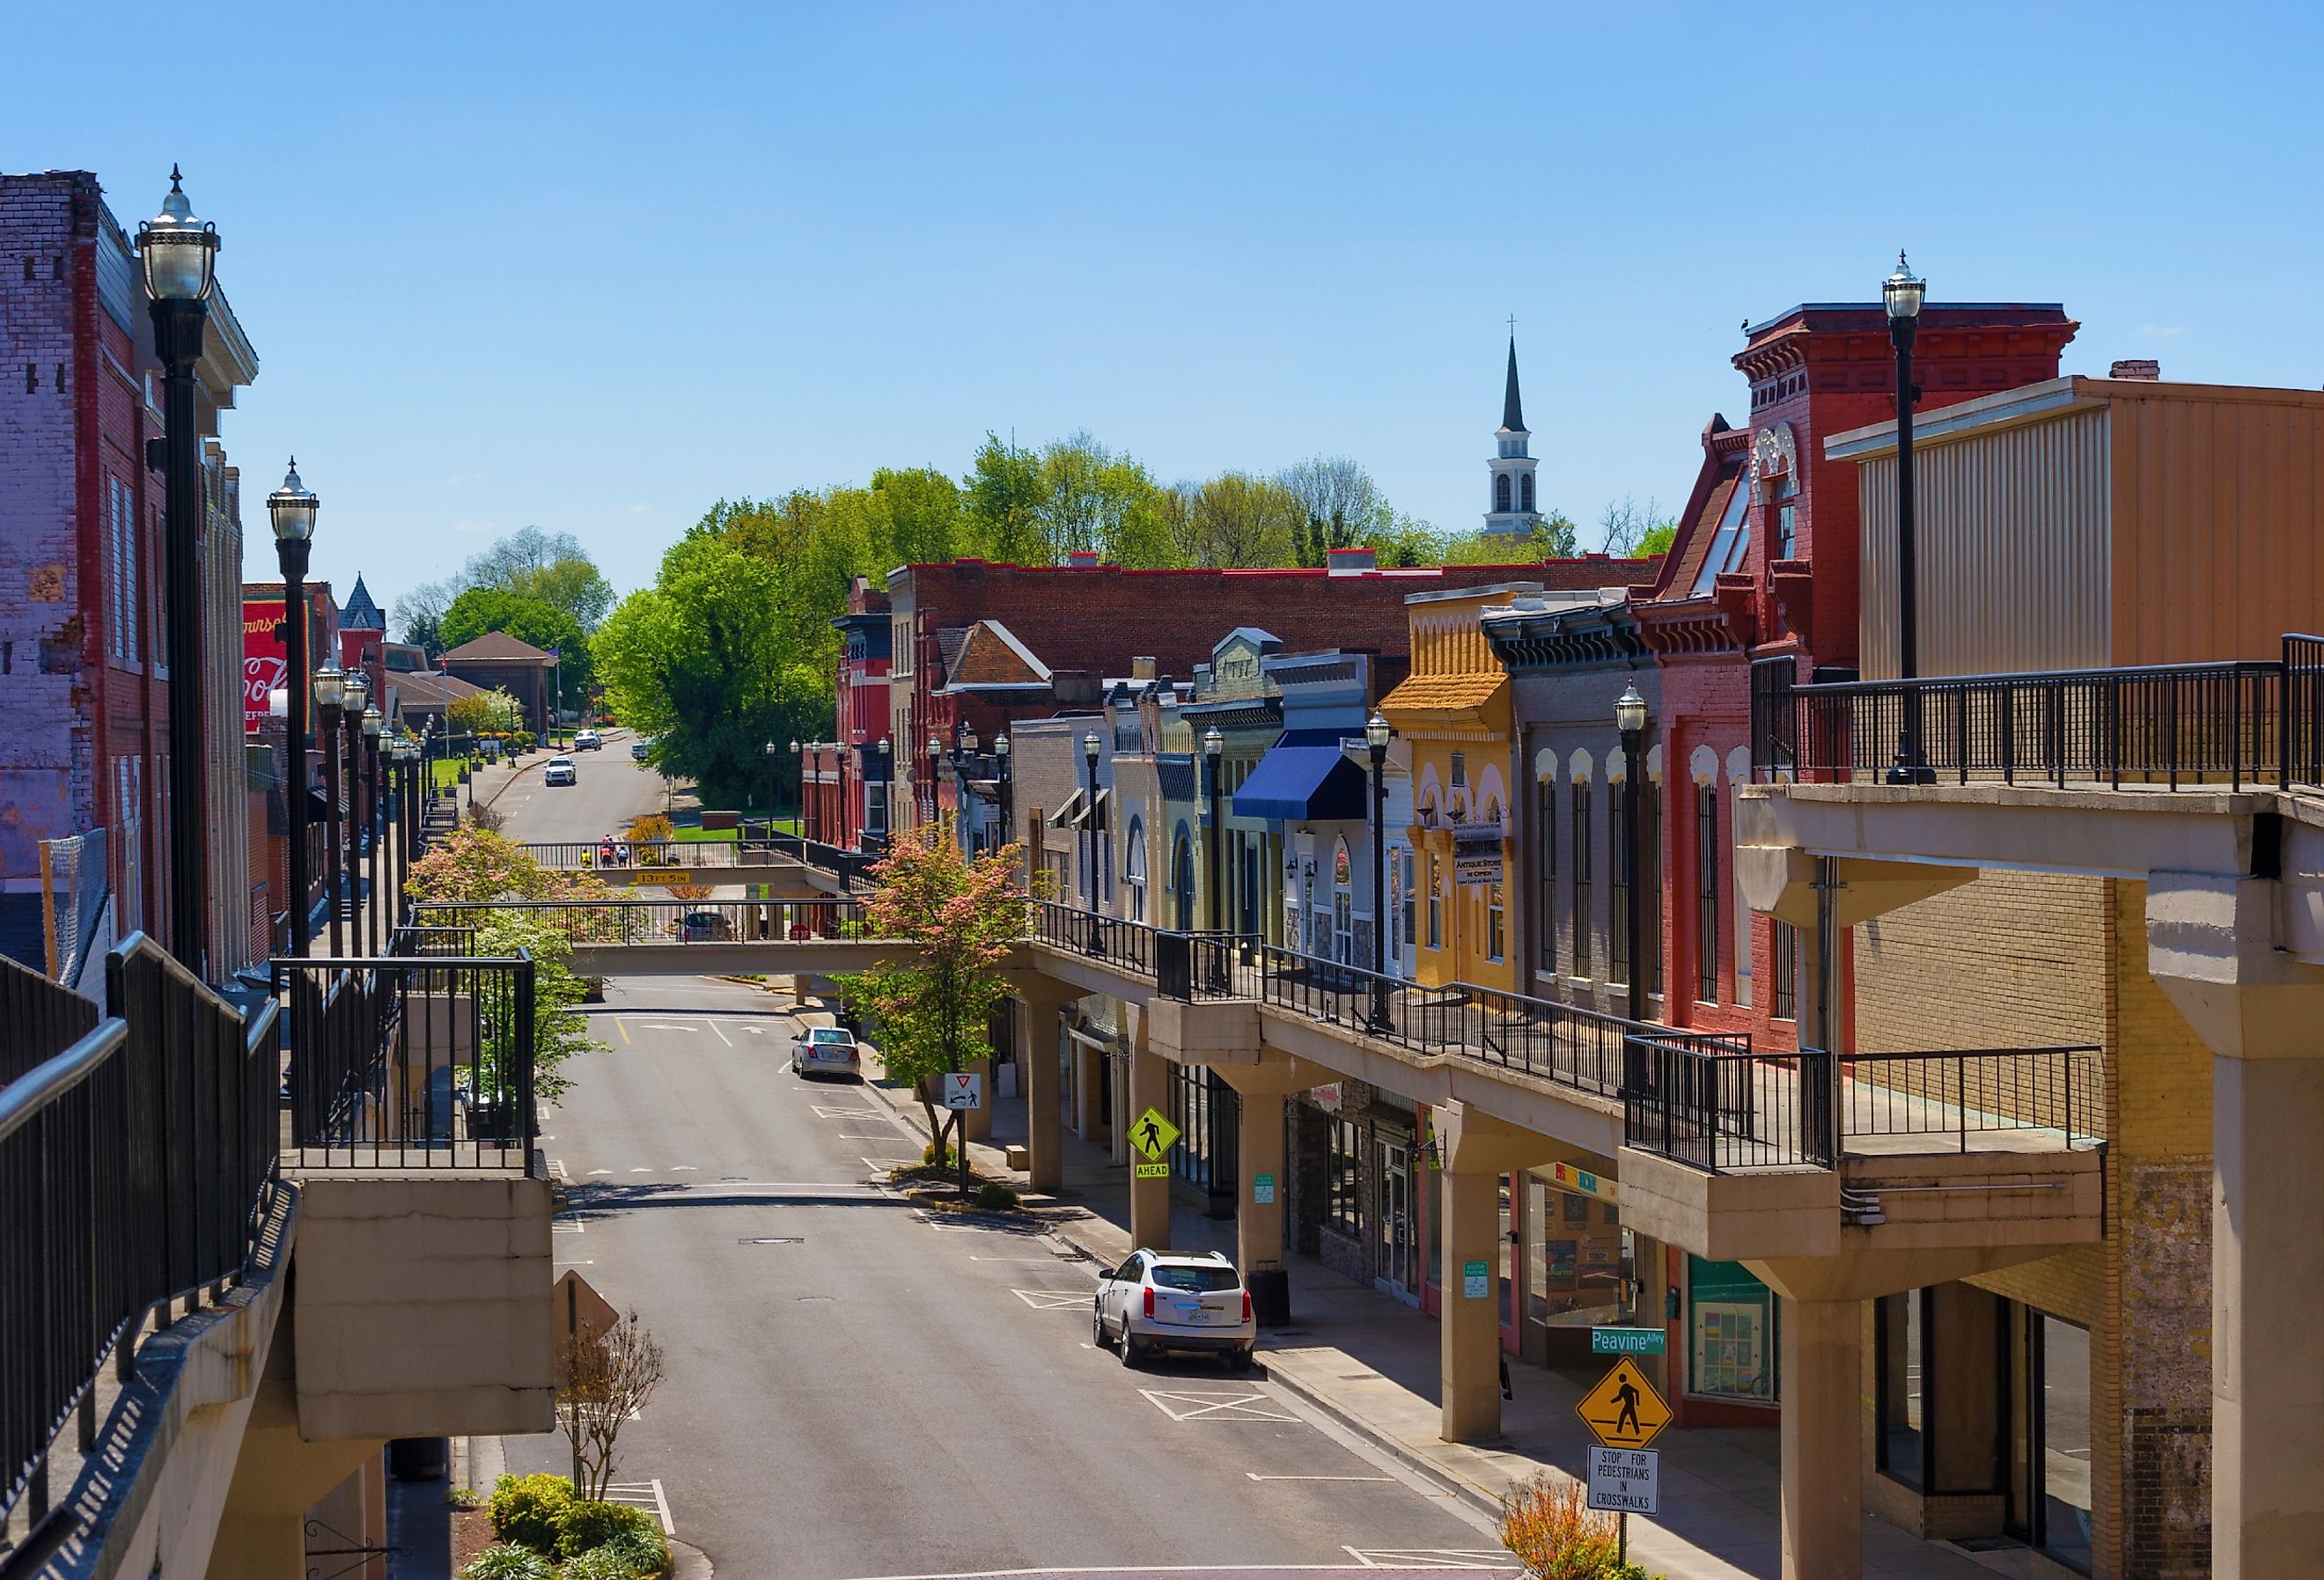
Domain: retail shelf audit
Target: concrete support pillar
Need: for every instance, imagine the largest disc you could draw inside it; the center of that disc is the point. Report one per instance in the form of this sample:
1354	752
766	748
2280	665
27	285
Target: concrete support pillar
2267	1349
1149	1199
979	1127
1258	1143
1041	1000
1823	1426
1469	1333
2214	945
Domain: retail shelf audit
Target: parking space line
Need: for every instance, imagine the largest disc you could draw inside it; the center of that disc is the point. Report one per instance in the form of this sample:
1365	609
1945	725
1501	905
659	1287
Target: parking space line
1053	1299
1198	1404
722	1036
621	1027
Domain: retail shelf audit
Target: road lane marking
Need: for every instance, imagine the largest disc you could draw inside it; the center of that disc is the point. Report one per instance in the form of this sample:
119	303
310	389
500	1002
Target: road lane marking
722	1036
663	1026
823	1113
1257	1477
1053	1299
1193	1404
621	1027
594	1171
1433	1559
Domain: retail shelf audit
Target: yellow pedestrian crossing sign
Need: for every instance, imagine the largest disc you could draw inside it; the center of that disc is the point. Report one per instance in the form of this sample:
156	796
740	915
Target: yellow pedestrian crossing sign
1154	1134
1624	1409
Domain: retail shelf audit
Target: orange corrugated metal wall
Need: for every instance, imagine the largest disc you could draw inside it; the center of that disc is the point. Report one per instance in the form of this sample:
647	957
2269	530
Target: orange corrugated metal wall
2219	525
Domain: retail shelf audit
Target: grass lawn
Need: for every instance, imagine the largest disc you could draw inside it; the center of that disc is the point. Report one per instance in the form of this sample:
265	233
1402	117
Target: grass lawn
447	772
686	835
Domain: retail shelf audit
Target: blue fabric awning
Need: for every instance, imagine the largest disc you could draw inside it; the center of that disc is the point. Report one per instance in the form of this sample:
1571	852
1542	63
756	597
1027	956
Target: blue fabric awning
1304	777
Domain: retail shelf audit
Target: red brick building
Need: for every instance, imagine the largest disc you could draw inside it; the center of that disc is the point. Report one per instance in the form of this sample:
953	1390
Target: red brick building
1765	572
1085	623
84	693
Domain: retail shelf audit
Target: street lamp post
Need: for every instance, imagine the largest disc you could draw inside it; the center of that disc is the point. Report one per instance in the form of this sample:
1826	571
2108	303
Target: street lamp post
1089	819
179	254
935	756
330	694
1631	720
964	743
798	773
291	508
1376	734
774	790
354	693
1213	746
372	721
1903	292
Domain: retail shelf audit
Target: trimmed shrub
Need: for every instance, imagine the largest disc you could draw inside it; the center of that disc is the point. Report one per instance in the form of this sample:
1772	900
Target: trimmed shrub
996	1196
937	1155
586	1524
642	1549
527	1509
508	1564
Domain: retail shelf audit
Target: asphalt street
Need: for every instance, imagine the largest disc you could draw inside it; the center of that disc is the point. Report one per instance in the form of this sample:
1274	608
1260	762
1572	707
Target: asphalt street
607	792
857	1388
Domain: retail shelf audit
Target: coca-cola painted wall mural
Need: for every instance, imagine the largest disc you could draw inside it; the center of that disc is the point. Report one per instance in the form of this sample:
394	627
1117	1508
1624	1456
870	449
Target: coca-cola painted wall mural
265	662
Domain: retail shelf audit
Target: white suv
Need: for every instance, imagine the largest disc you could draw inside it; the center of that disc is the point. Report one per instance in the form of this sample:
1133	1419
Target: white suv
1157	1301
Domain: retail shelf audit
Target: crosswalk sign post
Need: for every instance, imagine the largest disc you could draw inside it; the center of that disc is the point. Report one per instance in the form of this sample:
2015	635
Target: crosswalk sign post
1624	1412
1151	1136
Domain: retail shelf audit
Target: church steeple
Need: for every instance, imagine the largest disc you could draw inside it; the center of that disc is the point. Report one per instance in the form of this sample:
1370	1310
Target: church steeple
1512	509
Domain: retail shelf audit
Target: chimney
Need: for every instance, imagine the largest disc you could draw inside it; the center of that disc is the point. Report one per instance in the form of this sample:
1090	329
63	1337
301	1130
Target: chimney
1080	560
1141	669
1352	561
2146	369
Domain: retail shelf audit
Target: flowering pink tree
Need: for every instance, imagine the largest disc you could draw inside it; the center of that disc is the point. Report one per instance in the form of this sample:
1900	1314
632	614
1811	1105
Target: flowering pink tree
932	1008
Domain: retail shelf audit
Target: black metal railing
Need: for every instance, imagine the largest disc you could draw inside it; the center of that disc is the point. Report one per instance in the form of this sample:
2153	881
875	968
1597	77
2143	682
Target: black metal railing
668	921
409	1062
2255	722
132	1161
1723	1112
1125	945
646	855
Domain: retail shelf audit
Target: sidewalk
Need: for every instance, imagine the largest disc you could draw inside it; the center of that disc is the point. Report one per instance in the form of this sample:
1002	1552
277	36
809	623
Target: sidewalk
1370	1363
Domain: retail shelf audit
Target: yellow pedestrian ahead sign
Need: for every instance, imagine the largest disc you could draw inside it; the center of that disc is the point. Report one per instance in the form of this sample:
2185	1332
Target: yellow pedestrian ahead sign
1624	1409
1153	1135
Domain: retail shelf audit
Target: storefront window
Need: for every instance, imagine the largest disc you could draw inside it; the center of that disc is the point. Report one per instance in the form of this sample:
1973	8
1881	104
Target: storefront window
1344	1184
1733	1352
1899	1355
2065	1463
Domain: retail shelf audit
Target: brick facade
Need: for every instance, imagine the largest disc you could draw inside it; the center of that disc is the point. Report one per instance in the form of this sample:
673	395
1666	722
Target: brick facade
2027	959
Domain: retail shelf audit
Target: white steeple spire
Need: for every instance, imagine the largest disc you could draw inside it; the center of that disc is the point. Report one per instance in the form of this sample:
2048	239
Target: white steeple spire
1511	503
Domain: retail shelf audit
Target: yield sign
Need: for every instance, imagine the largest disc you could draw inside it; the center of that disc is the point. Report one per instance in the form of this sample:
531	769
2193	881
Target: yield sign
1153	1135
1624	1409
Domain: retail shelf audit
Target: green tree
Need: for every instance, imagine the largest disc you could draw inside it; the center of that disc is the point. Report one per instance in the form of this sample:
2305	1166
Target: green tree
1237	521
552	566
1006	496
1657	540
931	1008
1340	505
710	660
527	618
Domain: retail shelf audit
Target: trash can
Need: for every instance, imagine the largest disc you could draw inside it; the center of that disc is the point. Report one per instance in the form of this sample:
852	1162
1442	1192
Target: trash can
420	1459
1270	1295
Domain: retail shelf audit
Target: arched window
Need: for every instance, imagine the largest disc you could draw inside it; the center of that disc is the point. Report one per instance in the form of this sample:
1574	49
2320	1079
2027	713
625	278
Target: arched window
1182	878
1501	491
1525	491
1133	869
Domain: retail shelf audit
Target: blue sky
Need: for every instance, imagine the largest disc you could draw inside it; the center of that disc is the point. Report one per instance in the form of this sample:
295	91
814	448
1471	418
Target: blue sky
593	267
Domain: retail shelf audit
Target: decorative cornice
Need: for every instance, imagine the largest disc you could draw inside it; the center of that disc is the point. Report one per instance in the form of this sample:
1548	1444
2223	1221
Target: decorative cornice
1603	633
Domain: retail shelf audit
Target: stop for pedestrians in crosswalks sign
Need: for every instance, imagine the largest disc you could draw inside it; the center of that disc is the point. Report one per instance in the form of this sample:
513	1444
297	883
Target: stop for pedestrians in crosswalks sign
965	1090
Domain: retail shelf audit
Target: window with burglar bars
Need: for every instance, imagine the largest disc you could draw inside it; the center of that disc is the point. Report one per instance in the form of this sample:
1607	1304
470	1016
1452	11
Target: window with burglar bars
1706	866
1650	867
1581	864
1617	879
1786	967
1548	859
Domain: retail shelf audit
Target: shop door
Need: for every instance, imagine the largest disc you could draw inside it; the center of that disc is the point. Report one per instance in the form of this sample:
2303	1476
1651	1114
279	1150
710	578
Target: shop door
1398	1265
